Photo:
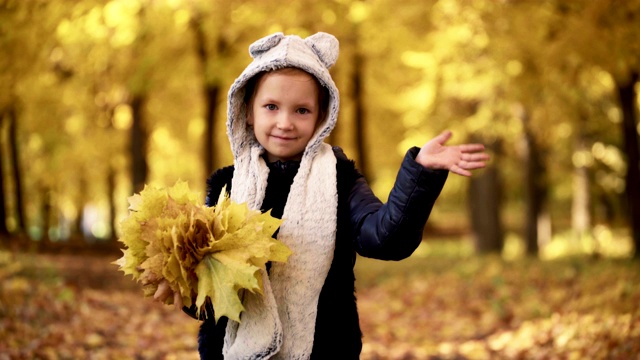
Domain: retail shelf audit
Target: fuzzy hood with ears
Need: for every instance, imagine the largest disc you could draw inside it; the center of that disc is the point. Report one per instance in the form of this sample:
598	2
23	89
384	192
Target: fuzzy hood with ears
314	54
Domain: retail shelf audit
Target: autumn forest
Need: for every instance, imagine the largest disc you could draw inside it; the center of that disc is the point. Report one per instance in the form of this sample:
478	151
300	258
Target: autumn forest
535	256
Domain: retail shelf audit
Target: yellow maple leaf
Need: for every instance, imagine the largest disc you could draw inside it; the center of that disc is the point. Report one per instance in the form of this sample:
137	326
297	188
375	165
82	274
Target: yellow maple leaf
221	280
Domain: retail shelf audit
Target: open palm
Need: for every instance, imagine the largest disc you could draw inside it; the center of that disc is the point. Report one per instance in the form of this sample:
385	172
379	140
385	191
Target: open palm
459	159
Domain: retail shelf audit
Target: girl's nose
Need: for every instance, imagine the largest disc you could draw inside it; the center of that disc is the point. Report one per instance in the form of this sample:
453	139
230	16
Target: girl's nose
284	122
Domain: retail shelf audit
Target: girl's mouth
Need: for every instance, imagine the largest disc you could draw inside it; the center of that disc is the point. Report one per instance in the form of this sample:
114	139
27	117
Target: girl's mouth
282	138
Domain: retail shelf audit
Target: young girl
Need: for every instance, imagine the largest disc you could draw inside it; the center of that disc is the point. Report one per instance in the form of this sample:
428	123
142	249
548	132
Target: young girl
280	110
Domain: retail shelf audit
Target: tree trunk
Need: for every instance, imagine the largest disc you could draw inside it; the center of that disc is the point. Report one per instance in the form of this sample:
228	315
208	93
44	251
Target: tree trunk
581	201
211	91
485	204
78	233
357	95
139	137
17	173
111	189
4	231
628	100
535	191
45	195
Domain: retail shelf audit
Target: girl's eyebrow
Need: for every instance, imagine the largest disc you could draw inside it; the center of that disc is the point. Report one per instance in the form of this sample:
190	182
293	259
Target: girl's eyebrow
270	100
308	105
266	99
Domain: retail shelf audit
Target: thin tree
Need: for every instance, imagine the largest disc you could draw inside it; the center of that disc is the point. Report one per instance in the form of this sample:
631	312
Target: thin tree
211	88
535	187
139	134
485	204
4	231
628	100
16	169
138	143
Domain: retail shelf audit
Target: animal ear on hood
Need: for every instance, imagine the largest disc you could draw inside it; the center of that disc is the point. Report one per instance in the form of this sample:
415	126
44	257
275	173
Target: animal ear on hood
326	47
265	44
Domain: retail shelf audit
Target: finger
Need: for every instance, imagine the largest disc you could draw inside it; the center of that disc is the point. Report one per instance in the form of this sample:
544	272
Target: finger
162	293
177	300
474	157
472	165
460	171
471	148
443	137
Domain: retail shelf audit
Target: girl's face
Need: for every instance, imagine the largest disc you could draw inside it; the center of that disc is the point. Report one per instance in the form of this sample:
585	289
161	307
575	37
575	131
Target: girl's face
284	113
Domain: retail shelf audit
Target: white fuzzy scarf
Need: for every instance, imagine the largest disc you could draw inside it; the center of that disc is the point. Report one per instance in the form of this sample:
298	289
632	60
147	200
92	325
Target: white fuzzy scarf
280	323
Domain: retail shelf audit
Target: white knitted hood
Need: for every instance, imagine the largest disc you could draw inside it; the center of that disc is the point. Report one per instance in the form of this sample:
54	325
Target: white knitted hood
280	323
315	55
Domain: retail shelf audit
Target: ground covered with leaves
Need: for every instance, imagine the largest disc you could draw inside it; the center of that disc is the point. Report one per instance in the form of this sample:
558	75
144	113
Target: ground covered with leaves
434	305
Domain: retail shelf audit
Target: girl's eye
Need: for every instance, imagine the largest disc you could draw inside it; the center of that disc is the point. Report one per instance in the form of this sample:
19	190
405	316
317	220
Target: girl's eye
303	111
270	107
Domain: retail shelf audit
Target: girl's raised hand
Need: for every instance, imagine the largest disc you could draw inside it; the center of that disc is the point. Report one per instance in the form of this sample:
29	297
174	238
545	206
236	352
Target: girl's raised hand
458	159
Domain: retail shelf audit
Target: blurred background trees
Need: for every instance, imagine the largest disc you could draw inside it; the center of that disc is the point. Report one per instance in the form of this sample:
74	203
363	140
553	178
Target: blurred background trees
99	98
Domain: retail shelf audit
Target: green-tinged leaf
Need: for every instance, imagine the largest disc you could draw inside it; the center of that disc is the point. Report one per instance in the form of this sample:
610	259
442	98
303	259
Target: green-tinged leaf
279	251
181	193
220	282
269	223
244	274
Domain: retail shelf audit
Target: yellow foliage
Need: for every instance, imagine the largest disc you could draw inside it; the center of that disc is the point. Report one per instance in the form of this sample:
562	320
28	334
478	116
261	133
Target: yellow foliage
202	252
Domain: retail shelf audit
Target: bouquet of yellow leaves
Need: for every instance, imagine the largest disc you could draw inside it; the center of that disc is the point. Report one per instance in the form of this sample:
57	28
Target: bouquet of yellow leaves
203	252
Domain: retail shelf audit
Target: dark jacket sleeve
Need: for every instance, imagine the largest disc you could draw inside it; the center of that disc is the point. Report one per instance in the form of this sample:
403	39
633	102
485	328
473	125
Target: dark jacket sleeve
219	180
393	231
215	183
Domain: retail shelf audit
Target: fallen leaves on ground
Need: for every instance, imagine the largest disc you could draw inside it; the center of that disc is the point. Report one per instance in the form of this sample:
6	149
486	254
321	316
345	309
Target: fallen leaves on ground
424	307
72	307
486	308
